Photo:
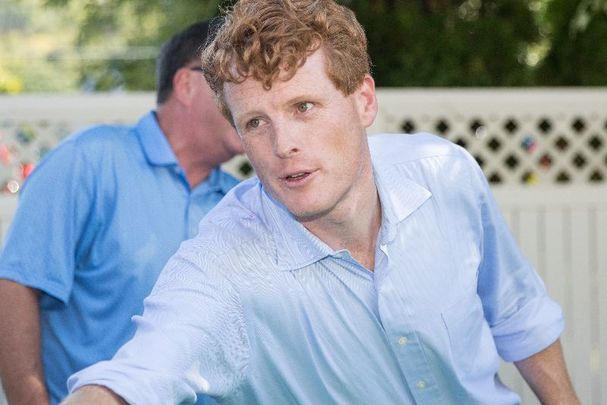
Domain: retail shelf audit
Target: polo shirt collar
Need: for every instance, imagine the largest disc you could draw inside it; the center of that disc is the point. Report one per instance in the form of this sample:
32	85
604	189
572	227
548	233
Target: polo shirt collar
296	247
218	180
155	145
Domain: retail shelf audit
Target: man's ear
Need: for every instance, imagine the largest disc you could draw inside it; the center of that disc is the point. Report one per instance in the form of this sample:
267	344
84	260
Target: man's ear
367	101
183	85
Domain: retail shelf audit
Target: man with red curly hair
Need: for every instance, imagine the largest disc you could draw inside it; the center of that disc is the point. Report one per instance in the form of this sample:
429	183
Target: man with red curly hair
350	270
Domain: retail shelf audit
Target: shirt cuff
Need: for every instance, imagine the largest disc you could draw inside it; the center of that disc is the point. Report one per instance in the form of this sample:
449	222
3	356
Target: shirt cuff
532	329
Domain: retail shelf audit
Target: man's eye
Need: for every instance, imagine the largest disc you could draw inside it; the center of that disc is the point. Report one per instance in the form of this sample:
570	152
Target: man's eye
305	106
254	123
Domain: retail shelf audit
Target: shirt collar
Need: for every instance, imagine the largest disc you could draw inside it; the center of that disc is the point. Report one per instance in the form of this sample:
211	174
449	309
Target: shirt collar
155	144
399	197
218	180
296	247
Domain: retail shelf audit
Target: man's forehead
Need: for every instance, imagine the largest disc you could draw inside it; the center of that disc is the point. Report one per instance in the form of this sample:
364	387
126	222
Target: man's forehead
288	83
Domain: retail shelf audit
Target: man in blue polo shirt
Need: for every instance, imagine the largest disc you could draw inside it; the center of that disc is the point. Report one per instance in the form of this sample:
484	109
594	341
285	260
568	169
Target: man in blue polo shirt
97	221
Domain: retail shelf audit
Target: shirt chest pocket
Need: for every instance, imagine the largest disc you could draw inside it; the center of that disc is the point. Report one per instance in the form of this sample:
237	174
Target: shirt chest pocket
470	339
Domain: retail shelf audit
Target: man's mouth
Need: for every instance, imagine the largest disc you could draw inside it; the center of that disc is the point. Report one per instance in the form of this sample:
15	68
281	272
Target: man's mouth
297	176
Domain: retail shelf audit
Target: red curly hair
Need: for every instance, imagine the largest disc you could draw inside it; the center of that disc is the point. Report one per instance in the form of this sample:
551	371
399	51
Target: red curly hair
265	39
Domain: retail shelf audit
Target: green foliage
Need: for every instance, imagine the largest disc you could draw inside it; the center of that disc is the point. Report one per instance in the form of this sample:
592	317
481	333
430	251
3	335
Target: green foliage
448	43
577	30
135	30
100	45
28	55
9	83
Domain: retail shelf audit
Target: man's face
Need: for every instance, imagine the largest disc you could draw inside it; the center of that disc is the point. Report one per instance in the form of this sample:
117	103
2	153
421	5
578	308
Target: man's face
305	139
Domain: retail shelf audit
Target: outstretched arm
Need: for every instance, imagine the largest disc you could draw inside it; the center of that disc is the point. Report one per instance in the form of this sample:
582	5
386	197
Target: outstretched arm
546	374
20	361
93	395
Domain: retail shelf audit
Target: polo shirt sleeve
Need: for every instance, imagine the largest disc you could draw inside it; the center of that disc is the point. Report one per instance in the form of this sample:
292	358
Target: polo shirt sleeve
190	339
49	224
523	318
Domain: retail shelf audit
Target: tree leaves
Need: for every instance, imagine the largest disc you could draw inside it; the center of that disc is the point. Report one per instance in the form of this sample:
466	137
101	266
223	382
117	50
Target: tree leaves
420	43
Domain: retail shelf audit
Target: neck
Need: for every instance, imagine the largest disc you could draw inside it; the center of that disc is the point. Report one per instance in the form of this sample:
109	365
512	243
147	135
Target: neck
355	228
190	155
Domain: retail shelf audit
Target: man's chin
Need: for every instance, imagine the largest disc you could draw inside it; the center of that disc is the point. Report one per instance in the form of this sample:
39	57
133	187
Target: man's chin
307	214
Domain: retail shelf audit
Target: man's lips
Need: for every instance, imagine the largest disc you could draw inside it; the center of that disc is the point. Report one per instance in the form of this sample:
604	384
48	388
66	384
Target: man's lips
298	177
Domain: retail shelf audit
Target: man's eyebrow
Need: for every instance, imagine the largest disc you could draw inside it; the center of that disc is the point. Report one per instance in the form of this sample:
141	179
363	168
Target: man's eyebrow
303	97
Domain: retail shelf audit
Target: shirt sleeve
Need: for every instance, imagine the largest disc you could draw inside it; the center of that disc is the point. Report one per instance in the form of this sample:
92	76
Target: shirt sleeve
190	339
523	318
49	224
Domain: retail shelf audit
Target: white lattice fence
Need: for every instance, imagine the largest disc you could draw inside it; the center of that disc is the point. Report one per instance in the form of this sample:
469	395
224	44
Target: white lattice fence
518	136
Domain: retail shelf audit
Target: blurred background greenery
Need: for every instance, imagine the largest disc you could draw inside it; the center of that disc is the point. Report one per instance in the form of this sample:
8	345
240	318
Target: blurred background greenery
109	45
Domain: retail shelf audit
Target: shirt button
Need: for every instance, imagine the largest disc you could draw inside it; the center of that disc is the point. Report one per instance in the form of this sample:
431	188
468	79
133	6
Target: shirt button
403	340
421	384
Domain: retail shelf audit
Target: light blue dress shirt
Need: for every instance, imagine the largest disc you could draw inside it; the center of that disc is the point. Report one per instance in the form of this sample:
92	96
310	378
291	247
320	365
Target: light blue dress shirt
97	221
257	310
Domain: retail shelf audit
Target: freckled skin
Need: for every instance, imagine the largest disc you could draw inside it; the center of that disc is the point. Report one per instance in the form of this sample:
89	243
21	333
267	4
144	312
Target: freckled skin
307	141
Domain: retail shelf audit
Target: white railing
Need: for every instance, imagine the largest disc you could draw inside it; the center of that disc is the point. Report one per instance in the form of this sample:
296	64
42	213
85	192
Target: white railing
545	152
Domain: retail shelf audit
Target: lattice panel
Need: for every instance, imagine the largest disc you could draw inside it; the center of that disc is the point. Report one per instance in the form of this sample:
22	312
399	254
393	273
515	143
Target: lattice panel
517	137
22	144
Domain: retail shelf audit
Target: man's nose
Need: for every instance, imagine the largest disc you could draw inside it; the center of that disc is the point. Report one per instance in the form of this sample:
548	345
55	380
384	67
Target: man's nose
285	140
